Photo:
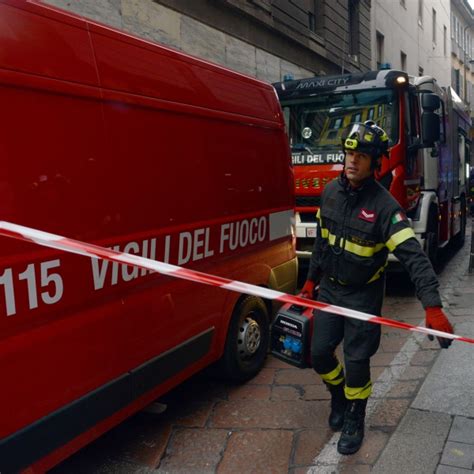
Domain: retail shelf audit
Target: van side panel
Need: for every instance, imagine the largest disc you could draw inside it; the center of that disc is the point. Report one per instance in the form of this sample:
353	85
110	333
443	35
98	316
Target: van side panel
29	41
163	73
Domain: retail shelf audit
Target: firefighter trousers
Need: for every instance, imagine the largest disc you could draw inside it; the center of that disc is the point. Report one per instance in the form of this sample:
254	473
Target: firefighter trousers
361	338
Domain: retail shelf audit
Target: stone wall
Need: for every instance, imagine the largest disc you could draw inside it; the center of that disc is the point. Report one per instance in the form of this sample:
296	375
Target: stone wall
159	23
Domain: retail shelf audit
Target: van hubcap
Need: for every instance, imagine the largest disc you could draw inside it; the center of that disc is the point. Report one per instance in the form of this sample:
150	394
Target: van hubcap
248	340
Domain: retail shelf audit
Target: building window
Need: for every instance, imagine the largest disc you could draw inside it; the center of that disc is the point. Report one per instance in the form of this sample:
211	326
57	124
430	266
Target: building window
420	71
456	26
354	28
315	16
434	26
403	61
445	40
312	17
456	81
420	12
311	22
379	39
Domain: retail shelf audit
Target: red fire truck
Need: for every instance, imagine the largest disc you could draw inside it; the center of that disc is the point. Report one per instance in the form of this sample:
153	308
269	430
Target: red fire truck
428	128
114	140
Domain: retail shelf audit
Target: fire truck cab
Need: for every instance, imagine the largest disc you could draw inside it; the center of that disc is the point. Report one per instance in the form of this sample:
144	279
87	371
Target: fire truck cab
428	131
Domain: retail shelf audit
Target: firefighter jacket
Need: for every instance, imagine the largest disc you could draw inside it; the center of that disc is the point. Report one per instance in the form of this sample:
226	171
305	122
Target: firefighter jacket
356	230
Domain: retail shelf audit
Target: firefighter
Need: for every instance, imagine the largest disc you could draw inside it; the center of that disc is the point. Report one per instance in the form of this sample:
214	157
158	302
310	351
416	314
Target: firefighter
358	224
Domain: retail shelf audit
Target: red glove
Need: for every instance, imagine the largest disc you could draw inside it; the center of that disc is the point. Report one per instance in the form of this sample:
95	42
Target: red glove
436	319
308	290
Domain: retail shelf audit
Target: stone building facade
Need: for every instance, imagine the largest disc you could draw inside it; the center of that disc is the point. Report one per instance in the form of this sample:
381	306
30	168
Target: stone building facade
461	38
267	39
414	36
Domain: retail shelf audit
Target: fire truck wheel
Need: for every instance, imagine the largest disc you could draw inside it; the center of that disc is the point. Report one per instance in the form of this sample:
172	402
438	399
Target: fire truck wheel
247	340
431	242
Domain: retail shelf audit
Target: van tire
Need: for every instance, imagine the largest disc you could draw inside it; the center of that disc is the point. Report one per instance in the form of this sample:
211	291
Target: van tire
247	340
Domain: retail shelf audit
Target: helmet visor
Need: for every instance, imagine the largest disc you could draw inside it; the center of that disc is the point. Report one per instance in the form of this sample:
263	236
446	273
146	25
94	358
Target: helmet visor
359	136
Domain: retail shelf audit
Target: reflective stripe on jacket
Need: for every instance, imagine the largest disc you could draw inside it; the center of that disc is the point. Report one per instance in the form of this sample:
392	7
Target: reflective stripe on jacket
356	230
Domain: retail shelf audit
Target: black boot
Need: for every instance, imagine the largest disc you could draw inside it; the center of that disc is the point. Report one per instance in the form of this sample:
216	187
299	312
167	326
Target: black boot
338	406
353	427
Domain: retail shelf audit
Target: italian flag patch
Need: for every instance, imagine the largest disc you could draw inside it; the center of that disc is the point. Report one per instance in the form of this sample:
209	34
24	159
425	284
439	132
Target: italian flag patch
398	217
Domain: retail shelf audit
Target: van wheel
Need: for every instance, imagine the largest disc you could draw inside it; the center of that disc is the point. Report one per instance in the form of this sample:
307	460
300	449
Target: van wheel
460	237
431	242
247	340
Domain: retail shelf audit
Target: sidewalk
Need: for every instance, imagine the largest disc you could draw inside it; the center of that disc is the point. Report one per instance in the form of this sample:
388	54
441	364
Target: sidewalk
437	432
418	417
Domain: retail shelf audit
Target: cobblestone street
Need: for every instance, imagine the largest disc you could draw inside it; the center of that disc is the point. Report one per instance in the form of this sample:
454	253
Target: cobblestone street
277	423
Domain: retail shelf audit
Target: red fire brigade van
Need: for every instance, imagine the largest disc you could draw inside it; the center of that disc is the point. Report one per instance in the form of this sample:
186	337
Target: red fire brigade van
114	140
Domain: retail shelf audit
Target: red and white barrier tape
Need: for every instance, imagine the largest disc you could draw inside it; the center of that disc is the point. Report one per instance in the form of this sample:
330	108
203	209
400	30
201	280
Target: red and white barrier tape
94	251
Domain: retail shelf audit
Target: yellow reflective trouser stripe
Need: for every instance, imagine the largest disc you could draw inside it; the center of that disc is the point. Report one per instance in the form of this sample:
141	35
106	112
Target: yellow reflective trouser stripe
335	377
358	393
399	237
378	273
318	214
356	249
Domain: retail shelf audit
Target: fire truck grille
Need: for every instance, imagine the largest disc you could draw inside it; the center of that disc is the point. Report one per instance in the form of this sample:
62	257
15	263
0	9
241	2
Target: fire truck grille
310	201
308	216
305	244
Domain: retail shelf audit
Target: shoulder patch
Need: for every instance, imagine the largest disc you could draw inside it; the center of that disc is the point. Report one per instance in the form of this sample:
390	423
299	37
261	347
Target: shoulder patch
367	215
399	216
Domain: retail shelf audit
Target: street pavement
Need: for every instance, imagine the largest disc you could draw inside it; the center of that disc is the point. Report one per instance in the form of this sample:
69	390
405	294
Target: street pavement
420	416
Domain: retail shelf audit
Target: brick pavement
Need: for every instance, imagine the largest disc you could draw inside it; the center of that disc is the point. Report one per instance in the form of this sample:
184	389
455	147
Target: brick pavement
277	422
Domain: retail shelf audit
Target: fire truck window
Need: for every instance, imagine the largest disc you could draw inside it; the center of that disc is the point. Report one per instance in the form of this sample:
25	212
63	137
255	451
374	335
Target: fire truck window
286	116
442	123
327	115
462	158
412	123
411	131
